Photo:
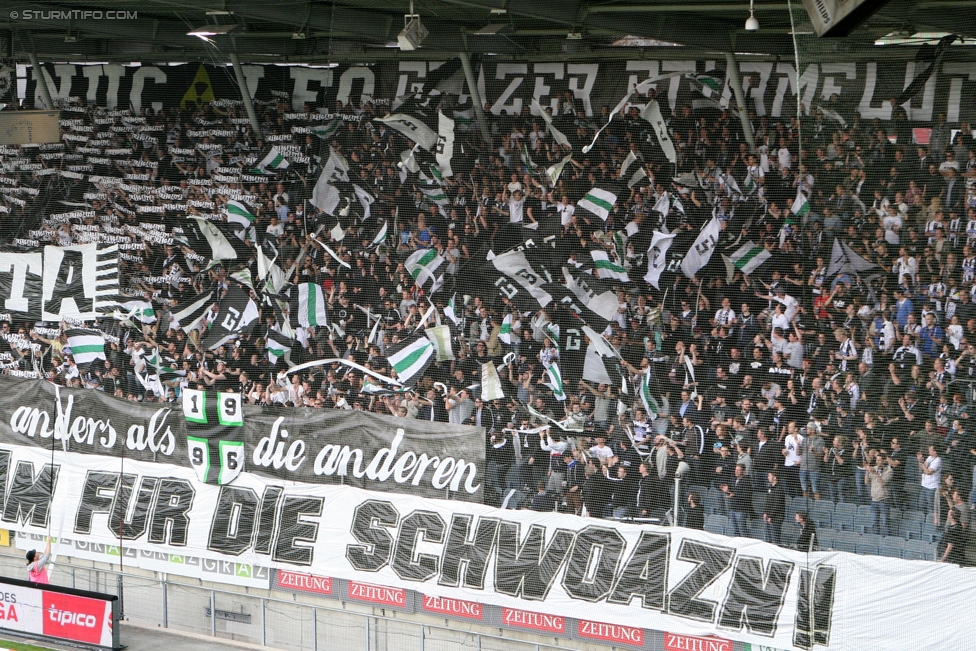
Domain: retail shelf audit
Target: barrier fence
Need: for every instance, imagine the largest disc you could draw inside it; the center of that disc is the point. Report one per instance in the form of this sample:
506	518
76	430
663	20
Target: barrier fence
275	622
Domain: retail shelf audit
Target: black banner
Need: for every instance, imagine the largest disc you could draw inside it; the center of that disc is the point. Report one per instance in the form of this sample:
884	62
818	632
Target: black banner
316	446
771	87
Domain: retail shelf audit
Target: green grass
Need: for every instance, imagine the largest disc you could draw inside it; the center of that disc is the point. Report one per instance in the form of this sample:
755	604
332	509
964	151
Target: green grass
18	646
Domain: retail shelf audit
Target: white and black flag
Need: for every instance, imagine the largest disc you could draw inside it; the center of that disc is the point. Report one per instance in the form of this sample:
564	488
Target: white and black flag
236	314
187	315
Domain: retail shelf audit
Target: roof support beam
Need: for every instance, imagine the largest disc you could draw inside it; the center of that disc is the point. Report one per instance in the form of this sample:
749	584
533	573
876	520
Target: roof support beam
733	69
246	95
41	81
479	107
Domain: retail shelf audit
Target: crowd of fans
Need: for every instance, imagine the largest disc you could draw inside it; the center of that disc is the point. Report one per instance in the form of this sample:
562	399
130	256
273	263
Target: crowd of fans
848	386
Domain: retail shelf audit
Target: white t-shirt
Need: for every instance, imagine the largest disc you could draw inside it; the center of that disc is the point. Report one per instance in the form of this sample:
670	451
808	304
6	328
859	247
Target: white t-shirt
792	447
932	481
516	210
601	453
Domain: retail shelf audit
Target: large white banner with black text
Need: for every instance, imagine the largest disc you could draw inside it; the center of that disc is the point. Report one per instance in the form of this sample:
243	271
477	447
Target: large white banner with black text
667	579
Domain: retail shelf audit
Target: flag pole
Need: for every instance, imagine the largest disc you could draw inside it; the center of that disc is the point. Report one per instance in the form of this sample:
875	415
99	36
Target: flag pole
305	216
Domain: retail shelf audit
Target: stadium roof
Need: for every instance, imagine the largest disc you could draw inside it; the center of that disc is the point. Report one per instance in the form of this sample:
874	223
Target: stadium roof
323	31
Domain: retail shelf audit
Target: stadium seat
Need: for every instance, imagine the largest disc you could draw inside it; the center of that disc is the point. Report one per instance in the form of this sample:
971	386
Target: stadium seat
730	530
893	552
931	533
913	516
711	527
822	519
841	545
759	504
826	537
910	530
893	541
863	548
863	523
822	506
757	529
801	504
919	550
715	502
871	539
791	533
843	521
864	509
845	508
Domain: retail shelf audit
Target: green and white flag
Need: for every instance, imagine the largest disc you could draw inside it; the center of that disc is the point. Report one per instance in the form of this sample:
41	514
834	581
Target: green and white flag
243	276
800	206
381	235
273	160
142	311
279	347
365	200
328	130
445	144
464	120
440	336
599	202
86	345
436	196
750	184
451	310
627	162
421	266
237	213
746	259
156	361
505	334
644	391
311	306
553	172
411	357
491	384
555	382
606	268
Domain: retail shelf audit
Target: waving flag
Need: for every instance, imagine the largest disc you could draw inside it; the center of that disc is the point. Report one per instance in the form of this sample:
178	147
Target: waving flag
606	268
746	259
657	257
237	213
800	205
142	311
422	264
187	315
505	333
328	130
273	160
701	251
555	382
644	391
411	357
599	202
311	306
86	345
237	314
279	347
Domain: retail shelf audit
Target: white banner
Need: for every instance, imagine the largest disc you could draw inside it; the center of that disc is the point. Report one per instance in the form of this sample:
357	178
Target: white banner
677	580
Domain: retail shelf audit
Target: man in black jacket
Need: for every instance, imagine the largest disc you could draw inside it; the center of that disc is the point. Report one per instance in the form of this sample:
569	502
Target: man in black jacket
695	515
575	478
739	495
775	509
648	488
766	457
623	492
